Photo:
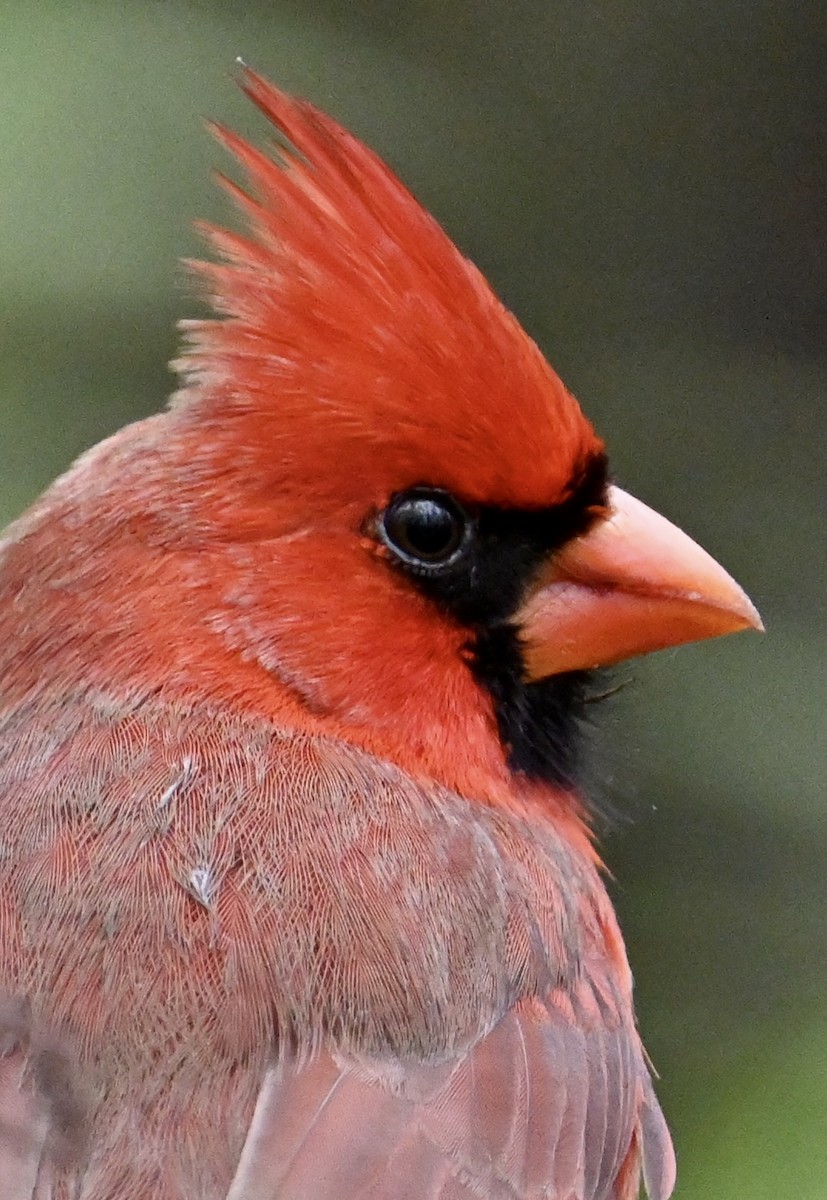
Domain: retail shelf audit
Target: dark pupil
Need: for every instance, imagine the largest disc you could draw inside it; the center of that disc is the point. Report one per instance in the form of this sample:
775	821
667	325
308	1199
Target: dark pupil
424	528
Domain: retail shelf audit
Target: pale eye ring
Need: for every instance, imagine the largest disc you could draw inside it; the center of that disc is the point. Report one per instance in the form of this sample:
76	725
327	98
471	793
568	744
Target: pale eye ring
425	527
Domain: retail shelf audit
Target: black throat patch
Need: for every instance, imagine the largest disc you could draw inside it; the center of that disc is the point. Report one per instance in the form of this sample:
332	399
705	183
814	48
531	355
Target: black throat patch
541	724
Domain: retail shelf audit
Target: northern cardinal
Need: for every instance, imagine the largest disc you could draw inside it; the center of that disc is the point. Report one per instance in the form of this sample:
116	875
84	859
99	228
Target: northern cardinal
298	894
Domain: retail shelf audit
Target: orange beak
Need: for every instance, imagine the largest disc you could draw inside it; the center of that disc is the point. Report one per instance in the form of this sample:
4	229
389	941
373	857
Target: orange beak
634	583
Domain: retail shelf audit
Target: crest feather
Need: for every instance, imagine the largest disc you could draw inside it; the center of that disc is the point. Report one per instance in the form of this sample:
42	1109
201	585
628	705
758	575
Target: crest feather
346	296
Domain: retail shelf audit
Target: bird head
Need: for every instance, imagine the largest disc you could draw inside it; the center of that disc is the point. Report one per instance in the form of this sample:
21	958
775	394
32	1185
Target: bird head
427	540
400	527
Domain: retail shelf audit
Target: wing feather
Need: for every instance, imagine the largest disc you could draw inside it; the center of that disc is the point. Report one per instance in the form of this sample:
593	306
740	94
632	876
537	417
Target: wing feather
23	1131
547	1106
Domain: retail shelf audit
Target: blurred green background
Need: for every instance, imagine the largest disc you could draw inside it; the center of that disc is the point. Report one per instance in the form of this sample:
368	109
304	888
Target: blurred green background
640	183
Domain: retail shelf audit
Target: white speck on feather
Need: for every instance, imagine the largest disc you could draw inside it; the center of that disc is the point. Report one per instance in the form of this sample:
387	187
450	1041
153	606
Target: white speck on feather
201	885
174	788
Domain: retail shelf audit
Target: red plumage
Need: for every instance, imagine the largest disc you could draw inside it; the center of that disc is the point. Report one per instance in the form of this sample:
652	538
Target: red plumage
264	840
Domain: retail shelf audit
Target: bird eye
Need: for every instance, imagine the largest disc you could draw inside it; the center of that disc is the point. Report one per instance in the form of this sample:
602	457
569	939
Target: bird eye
425	527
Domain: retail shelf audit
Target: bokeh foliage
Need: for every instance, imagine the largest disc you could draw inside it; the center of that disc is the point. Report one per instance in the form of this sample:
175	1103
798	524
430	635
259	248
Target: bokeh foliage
640	183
